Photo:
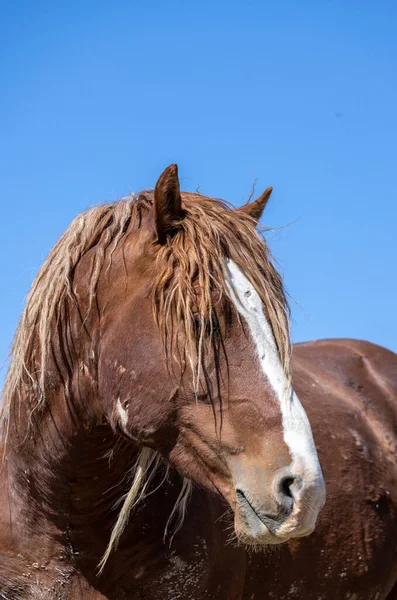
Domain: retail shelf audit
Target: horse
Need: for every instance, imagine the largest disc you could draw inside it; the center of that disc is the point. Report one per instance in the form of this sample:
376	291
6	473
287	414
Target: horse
162	439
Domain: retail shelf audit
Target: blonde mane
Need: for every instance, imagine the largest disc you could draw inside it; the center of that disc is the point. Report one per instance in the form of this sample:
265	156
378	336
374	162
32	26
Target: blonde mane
194	258
101	228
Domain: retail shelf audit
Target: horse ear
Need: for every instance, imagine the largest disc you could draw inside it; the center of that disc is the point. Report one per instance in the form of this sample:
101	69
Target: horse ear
255	209
167	203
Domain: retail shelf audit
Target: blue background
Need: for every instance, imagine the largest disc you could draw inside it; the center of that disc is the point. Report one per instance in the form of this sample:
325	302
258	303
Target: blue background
98	97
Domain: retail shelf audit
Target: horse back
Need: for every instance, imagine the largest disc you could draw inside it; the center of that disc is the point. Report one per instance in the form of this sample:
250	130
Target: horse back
348	383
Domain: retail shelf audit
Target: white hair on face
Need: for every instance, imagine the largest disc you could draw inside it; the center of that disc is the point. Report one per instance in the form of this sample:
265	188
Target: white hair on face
146	466
296	427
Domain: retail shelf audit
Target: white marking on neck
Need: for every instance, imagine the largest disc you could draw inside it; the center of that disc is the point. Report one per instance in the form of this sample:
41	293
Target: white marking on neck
297	431
123	415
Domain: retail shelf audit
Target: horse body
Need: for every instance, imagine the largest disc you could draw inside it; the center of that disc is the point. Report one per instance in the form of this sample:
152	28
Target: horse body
109	415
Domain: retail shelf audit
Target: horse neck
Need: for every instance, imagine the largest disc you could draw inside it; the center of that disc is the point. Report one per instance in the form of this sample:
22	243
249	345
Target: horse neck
60	487
62	479
58	490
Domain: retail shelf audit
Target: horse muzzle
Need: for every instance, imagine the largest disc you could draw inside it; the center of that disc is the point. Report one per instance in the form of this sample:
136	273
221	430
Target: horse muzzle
290	509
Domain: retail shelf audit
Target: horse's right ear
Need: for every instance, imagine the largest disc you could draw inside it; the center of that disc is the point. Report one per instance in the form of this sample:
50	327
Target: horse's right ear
167	203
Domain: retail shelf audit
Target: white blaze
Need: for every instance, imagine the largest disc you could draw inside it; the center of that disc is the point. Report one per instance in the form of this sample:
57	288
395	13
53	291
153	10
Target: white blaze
297	431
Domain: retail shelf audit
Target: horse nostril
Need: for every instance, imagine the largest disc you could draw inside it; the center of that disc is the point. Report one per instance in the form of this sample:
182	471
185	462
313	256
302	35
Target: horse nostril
286	485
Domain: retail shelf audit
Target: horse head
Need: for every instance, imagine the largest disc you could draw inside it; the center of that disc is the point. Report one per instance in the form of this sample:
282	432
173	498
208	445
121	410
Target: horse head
194	360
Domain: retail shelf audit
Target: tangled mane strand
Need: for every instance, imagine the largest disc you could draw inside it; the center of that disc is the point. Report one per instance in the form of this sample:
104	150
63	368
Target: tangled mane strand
146	466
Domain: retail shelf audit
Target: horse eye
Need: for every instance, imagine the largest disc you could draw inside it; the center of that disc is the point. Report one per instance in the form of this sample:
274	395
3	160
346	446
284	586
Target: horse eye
204	324
216	330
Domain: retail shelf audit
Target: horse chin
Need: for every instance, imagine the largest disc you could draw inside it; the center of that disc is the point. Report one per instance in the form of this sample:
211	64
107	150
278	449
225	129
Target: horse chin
251	531
258	540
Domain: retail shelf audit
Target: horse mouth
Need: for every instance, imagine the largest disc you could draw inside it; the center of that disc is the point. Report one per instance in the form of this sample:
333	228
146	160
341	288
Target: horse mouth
252	526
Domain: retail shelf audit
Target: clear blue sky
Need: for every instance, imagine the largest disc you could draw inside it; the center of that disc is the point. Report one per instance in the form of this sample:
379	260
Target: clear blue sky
98	97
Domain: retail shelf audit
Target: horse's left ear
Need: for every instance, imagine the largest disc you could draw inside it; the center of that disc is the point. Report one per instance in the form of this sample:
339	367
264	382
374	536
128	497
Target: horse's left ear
255	209
167	203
